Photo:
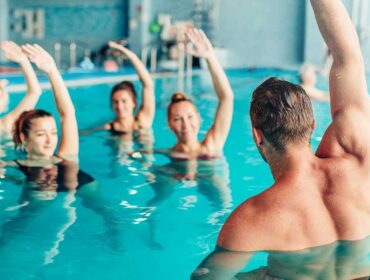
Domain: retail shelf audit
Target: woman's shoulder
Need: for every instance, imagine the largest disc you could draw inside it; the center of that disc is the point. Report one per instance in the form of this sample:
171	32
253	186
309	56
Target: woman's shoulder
25	162
108	126
208	149
58	158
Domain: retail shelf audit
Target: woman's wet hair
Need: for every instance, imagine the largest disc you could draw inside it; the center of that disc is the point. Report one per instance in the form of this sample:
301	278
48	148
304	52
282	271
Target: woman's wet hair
23	124
176	98
125	85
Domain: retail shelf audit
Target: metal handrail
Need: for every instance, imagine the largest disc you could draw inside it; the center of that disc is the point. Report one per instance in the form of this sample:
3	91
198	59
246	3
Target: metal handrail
152	53
72	47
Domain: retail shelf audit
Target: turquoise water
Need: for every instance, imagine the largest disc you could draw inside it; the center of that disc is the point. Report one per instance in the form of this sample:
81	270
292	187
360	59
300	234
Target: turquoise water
143	221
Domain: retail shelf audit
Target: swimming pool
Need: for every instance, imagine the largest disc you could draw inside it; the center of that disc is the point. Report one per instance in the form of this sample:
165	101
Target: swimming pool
145	221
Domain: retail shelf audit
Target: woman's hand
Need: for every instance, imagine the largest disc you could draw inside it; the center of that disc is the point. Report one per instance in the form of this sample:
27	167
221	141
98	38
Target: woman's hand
40	57
117	46
202	46
13	52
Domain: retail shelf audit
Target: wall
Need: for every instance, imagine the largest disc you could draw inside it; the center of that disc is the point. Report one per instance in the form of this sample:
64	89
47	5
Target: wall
180	9
143	12
281	33
3	23
89	24
314	44
363	29
267	32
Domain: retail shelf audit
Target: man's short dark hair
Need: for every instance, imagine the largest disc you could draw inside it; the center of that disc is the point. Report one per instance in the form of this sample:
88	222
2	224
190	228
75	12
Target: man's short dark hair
283	112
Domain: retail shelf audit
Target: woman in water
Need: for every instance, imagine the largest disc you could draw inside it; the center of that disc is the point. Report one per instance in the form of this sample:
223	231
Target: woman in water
36	130
184	118
49	170
14	53
124	100
211	176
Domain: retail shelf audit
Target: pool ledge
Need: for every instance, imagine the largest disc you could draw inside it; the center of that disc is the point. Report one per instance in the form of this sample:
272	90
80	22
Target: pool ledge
87	81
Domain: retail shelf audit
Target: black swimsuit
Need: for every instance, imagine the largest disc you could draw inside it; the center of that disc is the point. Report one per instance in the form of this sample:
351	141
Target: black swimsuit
115	132
43	178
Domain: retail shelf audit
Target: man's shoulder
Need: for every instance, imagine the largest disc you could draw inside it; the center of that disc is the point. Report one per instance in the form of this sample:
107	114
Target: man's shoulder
250	226
347	135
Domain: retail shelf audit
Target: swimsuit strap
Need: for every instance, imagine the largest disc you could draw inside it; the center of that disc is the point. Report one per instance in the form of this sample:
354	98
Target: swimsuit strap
114	131
111	127
18	163
137	124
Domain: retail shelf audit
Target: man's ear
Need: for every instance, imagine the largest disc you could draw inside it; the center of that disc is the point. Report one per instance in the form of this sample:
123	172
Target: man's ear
257	136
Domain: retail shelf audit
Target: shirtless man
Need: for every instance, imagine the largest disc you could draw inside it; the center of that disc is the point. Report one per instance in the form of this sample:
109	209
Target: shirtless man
317	199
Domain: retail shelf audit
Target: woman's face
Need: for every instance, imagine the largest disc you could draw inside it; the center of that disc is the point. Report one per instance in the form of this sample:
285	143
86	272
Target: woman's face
184	120
123	104
42	138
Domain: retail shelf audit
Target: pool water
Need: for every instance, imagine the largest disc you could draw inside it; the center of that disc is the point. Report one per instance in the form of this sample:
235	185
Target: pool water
144	219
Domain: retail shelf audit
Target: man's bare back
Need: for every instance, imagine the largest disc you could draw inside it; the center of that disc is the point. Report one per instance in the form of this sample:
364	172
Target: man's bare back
322	201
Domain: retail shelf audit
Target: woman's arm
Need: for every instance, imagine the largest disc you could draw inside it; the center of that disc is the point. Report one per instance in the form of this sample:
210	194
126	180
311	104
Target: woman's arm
146	113
4	99
14	53
69	143
217	134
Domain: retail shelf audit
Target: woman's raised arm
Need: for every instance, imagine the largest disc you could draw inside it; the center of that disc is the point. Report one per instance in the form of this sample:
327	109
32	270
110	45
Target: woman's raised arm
69	141
217	134
14	53
146	113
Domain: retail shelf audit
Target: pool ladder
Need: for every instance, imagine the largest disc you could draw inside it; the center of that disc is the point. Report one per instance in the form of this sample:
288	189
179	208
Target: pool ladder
184	63
184	69
72	47
152	53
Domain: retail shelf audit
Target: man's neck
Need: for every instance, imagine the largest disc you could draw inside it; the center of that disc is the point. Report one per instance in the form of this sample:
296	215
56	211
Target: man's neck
291	160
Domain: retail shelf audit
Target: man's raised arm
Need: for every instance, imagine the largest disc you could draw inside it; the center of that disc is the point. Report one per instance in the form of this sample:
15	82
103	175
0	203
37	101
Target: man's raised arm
347	77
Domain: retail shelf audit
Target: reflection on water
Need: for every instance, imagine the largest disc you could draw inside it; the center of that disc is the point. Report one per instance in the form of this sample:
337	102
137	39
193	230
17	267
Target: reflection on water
209	177
72	217
121	145
340	260
183	214
59	184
